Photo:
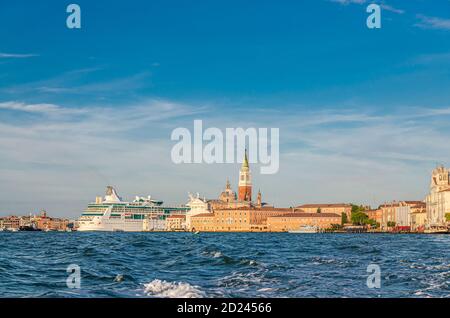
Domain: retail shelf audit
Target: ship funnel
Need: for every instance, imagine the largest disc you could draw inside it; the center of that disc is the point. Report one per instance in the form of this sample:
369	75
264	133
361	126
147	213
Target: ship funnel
112	196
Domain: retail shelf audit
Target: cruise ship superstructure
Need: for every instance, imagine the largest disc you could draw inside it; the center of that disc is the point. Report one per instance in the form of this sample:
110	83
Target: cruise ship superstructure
111	214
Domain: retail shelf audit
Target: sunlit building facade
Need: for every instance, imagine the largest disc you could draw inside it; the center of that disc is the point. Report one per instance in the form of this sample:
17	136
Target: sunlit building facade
438	199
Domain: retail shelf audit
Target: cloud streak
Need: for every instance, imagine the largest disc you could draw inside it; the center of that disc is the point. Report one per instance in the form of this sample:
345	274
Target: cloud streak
392	9
31	108
74	83
384	6
15	55
436	23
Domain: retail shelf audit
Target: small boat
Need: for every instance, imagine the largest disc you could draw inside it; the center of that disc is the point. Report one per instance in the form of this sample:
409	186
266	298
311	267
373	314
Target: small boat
29	228
12	229
197	232
305	229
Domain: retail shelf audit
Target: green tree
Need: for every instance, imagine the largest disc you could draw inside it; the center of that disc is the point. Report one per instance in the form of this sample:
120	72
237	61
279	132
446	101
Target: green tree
319	210
391	224
358	217
447	217
372	223
357	208
344	218
335	227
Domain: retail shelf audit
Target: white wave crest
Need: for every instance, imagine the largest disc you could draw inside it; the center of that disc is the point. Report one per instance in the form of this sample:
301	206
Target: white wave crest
214	254
163	289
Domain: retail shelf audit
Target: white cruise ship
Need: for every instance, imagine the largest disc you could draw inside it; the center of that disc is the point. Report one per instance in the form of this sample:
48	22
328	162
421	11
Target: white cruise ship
112	214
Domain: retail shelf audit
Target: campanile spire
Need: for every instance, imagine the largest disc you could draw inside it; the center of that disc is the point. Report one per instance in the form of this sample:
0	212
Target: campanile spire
245	181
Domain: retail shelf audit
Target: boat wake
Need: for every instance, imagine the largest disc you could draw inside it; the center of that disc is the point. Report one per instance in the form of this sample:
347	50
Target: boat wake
162	289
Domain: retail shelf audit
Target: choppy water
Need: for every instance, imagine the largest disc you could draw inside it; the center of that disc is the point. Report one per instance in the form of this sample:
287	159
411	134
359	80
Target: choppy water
223	265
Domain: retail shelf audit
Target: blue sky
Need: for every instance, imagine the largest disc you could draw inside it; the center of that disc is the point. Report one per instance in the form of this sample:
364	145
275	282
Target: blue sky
363	114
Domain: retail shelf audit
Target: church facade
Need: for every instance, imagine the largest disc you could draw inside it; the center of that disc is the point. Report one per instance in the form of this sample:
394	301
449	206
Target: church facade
438	200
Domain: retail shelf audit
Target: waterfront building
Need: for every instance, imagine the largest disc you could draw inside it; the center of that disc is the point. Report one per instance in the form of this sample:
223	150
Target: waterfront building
176	222
438	199
418	217
154	224
336	208
204	222
46	223
11	222
398	214
294	221
198	206
388	215
403	215
376	215
41	222
405	211
244	219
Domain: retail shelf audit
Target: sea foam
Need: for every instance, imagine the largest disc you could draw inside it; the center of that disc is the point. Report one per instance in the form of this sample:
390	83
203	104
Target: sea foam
163	289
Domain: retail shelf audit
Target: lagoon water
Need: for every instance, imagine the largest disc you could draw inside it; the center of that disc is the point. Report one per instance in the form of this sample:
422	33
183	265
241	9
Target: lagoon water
34	264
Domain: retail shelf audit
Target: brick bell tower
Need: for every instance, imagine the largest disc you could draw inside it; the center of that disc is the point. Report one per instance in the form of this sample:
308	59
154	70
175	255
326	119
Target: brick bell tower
245	181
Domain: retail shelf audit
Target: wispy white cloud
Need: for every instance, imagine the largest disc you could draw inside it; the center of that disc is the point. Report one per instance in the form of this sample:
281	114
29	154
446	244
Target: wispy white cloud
32	108
346	2
42	108
74	83
15	56
436	23
390	8
383	5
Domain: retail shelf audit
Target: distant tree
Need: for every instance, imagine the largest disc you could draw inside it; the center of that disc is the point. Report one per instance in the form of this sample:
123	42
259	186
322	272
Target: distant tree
447	217
391	224
358	217
335	227
319	210
357	208
344	218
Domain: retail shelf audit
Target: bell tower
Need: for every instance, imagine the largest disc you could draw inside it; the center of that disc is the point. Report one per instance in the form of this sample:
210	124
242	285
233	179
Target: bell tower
245	181
259	199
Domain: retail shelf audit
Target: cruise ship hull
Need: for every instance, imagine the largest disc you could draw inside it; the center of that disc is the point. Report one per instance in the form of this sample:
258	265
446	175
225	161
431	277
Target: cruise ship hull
104	224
